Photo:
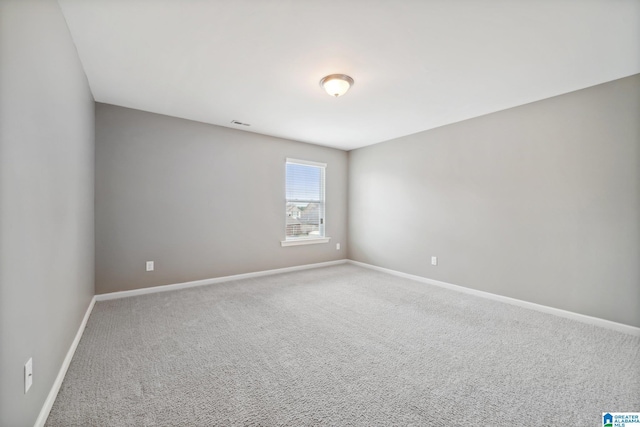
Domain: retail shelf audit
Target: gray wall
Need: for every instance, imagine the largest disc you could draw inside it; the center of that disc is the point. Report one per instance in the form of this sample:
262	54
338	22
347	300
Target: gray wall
46	201
201	201
539	202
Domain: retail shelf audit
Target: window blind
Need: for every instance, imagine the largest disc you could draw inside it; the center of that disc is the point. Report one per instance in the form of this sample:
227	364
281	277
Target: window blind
305	199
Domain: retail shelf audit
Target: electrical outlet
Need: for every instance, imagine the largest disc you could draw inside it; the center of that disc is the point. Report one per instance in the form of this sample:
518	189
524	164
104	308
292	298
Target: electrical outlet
434	260
150	266
337	246
28	375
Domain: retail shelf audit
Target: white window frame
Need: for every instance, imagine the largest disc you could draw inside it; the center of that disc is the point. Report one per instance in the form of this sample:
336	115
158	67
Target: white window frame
296	241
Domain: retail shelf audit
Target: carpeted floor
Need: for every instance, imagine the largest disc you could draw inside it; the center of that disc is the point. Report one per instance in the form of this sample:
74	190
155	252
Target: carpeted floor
341	346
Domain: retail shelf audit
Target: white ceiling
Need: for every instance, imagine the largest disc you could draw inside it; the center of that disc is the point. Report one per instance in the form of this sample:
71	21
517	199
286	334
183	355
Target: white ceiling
417	64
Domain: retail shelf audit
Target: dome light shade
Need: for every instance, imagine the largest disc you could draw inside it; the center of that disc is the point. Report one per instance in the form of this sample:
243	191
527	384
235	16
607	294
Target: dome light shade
336	84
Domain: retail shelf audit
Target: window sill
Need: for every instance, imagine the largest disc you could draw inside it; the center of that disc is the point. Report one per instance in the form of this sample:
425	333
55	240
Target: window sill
298	242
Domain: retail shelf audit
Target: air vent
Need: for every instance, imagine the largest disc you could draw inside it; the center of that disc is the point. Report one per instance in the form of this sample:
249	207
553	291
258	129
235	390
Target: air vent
235	122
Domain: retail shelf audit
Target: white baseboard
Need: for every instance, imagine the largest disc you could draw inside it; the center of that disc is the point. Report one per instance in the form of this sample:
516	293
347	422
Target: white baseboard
176	286
608	324
53	393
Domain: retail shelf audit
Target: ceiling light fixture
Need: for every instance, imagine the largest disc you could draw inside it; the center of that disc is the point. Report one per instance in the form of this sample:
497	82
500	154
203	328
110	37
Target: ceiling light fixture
336	84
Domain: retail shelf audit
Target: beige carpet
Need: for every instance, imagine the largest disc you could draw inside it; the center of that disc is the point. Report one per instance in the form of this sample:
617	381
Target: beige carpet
341	346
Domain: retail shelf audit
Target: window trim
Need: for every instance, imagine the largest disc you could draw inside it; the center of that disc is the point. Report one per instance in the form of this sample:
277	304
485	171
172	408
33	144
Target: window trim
304	241
297	241
305	162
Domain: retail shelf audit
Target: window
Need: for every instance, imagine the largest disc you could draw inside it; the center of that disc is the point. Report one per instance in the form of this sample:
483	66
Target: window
305	222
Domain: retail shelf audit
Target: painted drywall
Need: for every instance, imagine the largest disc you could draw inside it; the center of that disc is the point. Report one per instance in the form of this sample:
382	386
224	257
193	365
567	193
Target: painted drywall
539	202
201	201
46	201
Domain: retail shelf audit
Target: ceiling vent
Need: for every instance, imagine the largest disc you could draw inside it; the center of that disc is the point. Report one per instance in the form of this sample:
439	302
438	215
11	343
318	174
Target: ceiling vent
235	122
